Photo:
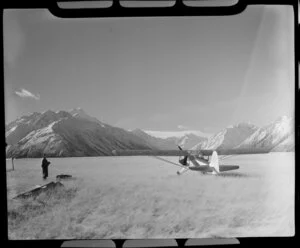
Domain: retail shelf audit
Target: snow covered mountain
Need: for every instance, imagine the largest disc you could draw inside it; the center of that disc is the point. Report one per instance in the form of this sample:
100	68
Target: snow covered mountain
80	113
229	137
277	136
187	140
66	134
19	128
163	144
175	134
75	133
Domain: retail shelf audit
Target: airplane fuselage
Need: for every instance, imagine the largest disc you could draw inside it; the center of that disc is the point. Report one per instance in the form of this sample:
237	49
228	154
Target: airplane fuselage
199	164
199	161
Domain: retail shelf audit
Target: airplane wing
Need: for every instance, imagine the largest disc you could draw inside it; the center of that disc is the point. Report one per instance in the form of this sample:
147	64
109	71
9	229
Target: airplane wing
150	152
239	151
201	152
170	162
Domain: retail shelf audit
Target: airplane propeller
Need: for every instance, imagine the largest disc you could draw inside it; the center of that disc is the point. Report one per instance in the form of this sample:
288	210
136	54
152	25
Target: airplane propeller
183	161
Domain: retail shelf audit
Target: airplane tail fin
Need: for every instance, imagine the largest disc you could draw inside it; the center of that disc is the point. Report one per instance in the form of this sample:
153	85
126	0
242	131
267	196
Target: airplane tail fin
214	162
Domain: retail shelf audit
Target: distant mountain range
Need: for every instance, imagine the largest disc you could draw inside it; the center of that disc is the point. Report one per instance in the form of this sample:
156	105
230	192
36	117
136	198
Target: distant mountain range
75	133
187	140
229	137
278	136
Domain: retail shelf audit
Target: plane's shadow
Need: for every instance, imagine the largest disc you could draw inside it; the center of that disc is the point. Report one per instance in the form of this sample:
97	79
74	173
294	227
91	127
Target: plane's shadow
234	175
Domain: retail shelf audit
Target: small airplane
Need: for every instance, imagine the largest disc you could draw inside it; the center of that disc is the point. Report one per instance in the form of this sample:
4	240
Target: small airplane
204	161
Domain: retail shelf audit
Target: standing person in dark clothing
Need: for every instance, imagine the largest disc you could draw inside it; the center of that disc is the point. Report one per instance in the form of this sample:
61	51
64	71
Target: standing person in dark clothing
45	164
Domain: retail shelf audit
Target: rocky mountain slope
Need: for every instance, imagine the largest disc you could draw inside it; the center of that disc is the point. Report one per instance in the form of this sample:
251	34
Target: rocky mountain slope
229	137
66	134
277	136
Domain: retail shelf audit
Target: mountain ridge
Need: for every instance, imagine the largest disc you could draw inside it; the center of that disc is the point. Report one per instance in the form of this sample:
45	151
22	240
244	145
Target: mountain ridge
67	135
170	143
229	137
75	133
277	136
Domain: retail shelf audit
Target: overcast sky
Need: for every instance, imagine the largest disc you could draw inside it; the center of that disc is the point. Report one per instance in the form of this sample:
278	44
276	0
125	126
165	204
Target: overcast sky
163	74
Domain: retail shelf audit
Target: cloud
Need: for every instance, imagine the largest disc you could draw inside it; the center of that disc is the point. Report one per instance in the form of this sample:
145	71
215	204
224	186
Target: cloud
167	134
27	94
182	127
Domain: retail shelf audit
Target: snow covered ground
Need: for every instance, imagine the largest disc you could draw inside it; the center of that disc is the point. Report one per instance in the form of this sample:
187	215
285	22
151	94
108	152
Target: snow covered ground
142	197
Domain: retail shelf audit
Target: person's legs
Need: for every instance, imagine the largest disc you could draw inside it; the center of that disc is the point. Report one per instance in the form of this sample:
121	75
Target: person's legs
44	173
